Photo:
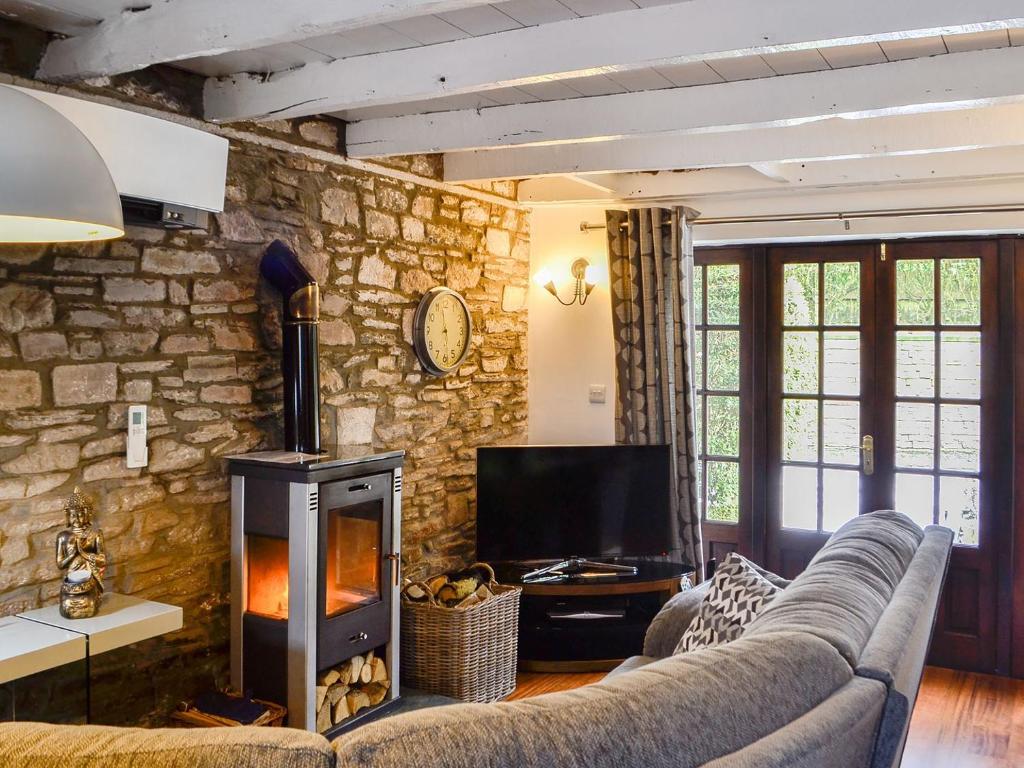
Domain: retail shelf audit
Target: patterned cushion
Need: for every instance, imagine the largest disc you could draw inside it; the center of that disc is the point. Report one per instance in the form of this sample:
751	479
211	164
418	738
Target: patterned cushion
738	593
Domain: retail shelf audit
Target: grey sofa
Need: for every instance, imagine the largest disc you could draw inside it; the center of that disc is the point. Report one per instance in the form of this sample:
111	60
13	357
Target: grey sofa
826	676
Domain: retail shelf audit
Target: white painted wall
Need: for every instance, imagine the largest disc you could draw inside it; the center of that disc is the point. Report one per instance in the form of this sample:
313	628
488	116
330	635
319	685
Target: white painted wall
570	348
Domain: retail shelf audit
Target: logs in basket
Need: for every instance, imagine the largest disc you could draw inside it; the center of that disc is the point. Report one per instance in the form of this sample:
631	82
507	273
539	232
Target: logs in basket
467	652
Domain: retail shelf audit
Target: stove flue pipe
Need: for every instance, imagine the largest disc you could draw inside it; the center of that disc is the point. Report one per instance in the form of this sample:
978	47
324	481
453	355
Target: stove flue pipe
300	348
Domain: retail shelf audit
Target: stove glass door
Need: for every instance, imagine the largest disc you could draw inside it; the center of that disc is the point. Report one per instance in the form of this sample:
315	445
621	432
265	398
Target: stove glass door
356	575
353	559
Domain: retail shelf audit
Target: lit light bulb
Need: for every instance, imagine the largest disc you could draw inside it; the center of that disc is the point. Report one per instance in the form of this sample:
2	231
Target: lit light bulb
593	274
543	277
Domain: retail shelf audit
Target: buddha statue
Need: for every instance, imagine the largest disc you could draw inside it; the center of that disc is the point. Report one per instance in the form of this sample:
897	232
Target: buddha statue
80	546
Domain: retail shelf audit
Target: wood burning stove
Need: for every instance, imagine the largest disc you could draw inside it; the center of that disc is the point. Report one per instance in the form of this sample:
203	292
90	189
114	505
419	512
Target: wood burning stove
315	543
315	571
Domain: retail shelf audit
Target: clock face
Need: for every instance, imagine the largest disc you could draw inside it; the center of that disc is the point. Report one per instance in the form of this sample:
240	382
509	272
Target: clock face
443	331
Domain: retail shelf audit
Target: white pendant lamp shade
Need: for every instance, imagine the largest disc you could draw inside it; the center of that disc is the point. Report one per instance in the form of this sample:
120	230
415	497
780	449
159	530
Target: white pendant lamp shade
54	186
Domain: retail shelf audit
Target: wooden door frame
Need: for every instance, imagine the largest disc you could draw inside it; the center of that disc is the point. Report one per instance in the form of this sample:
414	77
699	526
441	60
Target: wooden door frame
759	425
1011	598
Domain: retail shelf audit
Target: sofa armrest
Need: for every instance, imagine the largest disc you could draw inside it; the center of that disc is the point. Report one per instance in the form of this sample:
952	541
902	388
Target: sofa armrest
38	745
672	620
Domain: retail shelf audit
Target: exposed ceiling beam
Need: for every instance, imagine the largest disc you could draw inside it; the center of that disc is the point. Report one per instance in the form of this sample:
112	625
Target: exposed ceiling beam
173	30
883	225
866	197
988	163
611	187
951	81
968	165
831	139
809	201
657	36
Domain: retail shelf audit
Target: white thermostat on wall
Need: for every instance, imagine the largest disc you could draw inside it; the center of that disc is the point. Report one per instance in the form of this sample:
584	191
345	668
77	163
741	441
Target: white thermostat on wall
138	453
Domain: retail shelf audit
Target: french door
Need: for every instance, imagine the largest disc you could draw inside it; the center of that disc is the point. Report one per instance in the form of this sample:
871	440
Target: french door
821	397
943	448
724	405
882	392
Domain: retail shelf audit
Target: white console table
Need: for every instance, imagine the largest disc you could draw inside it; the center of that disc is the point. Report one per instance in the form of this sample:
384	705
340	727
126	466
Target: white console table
42	639
27	648
121	620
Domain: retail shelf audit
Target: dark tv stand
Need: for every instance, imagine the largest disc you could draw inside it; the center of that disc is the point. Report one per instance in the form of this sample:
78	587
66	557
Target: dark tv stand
574	566
590	620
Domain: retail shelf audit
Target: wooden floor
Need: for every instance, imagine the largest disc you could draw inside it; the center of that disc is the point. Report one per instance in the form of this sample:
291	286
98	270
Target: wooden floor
967	721
535	683
961	720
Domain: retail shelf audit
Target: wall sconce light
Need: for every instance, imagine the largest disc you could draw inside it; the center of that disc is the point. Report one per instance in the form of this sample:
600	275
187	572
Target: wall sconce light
584	279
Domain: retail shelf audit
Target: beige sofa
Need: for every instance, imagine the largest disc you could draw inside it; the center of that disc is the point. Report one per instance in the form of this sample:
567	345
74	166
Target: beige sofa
826	676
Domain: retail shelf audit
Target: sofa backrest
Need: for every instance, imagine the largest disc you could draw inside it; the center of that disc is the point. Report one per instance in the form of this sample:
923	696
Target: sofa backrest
839	732
845	589
896	653
682	711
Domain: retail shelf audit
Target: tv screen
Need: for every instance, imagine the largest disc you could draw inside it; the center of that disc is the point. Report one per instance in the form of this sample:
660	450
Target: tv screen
554	502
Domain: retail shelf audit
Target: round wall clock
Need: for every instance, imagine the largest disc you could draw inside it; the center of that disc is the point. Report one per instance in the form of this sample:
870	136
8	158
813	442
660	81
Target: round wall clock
441	331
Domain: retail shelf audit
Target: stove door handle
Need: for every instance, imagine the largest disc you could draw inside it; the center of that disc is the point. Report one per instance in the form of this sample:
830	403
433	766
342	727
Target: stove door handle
395	560
360	487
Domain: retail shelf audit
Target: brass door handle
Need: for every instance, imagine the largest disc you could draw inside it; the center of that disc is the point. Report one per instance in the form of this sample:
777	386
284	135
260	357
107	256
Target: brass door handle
395	560
867	452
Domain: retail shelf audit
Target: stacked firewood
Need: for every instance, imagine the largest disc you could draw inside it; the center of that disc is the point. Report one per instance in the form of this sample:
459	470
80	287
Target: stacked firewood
460	589
353	685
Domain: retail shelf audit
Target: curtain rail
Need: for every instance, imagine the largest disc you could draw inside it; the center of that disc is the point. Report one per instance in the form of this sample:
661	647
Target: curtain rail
879	214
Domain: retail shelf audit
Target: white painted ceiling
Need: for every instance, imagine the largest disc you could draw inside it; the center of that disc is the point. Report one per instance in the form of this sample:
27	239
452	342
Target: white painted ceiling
73	16
997	161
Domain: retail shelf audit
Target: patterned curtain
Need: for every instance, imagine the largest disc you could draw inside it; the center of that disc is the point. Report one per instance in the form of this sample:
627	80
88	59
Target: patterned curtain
650	254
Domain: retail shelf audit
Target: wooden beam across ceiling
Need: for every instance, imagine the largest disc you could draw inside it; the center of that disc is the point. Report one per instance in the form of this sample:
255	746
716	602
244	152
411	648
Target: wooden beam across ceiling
985	165
832	139
951	81
166	31
658	36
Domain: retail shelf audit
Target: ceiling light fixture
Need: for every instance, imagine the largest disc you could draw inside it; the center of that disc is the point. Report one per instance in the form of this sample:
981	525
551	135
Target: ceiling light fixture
54	186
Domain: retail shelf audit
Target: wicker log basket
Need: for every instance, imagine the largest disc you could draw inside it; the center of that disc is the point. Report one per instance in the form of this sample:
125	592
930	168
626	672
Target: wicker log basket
466	653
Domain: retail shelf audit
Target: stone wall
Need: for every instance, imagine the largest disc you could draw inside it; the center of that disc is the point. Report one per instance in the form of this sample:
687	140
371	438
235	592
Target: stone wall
182	323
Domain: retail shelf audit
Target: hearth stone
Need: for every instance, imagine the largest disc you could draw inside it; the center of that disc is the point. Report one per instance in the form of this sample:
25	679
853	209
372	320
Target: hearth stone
315	568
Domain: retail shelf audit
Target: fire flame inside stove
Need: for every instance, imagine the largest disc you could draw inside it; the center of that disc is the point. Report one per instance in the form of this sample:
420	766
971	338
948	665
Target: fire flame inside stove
268	577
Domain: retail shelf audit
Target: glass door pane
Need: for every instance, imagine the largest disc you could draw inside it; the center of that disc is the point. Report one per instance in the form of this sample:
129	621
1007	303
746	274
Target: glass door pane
267	576
938	392
821	394
353	563
717	379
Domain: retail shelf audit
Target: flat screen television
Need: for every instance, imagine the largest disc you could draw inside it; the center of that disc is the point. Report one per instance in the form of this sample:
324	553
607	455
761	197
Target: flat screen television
555	502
